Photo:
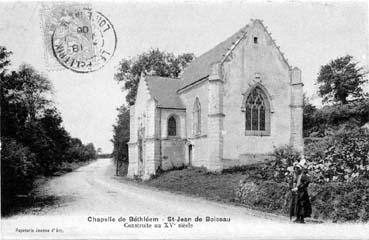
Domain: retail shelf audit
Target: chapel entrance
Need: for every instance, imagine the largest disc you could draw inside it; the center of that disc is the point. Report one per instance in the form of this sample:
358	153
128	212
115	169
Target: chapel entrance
190	152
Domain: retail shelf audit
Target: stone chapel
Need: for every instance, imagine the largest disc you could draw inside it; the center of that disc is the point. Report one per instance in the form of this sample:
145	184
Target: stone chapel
231	106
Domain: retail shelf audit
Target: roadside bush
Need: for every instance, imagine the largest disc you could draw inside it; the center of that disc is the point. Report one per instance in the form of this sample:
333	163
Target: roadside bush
284	159
337	201
267	195
329	119
343	157
18	169
341	201
339	170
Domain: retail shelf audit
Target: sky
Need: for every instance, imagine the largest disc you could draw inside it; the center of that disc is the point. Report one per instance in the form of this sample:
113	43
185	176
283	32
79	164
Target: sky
310	34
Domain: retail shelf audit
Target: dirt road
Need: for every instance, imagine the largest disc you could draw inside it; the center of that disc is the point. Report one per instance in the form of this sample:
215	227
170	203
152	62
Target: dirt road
92	194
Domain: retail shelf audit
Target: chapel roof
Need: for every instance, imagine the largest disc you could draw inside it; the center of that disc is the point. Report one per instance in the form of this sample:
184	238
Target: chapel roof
164	91
201	67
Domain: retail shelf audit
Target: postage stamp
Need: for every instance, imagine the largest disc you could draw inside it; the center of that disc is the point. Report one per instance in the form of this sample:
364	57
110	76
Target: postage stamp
77	37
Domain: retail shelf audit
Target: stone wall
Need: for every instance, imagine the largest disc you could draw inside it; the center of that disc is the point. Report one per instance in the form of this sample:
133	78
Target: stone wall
142	121
180	116
200	142
173	153
172	148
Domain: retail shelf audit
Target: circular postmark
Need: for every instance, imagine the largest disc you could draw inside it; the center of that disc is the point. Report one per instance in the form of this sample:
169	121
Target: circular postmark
84	41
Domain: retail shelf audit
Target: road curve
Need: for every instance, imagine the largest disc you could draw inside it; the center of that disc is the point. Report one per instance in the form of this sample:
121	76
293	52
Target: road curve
92	194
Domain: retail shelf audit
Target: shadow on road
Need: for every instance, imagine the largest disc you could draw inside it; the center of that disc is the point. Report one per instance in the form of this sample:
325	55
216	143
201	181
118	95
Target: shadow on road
30	204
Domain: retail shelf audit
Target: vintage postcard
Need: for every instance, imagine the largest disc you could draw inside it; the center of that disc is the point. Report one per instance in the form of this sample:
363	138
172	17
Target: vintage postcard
184	119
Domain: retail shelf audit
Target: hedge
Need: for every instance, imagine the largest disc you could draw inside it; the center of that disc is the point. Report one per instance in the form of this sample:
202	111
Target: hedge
336	201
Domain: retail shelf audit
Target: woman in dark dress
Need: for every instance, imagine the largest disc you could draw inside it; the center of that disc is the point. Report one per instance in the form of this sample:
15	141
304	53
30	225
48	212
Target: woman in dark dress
300	204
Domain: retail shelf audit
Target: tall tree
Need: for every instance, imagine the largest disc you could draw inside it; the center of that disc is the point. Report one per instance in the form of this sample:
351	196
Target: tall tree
121	135
24	95
32	135
153	62
341	80
309	112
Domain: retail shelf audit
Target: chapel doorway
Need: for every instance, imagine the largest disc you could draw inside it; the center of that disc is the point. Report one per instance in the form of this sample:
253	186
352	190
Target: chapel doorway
190	152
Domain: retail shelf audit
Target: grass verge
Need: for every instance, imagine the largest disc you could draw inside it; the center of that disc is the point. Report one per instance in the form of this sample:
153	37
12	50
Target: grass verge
199	182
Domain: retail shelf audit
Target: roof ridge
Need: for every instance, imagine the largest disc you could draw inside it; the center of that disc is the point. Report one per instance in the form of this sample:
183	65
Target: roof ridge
234	45
214	55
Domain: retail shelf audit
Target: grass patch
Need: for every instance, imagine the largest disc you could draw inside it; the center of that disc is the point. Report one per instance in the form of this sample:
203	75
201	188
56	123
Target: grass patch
199	182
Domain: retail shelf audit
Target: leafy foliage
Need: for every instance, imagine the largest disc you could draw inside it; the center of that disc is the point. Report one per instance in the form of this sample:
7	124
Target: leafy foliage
120	139
329	119
341	201
309	118
337	201
19	165
266	195
344	157
284	159
33	138
153	62
341	79
121	135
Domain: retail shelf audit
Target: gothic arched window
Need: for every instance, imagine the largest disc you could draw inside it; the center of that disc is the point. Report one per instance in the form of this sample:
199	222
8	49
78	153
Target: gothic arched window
172	126
257	113
197	117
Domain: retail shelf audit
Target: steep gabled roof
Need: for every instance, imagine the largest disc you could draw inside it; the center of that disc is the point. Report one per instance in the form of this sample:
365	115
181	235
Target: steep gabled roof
201	67
164	91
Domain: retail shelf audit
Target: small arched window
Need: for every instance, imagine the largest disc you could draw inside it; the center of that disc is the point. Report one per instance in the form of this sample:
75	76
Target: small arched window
257	113
197	117
172	126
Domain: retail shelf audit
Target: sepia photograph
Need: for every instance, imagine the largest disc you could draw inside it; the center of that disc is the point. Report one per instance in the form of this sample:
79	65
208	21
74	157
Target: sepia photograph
184	119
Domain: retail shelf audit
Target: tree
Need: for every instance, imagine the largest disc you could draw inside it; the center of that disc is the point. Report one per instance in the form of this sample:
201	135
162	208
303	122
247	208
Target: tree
36	89
121	135
153	62
341	80
309	116
4	60
24	97
90	151
34	141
